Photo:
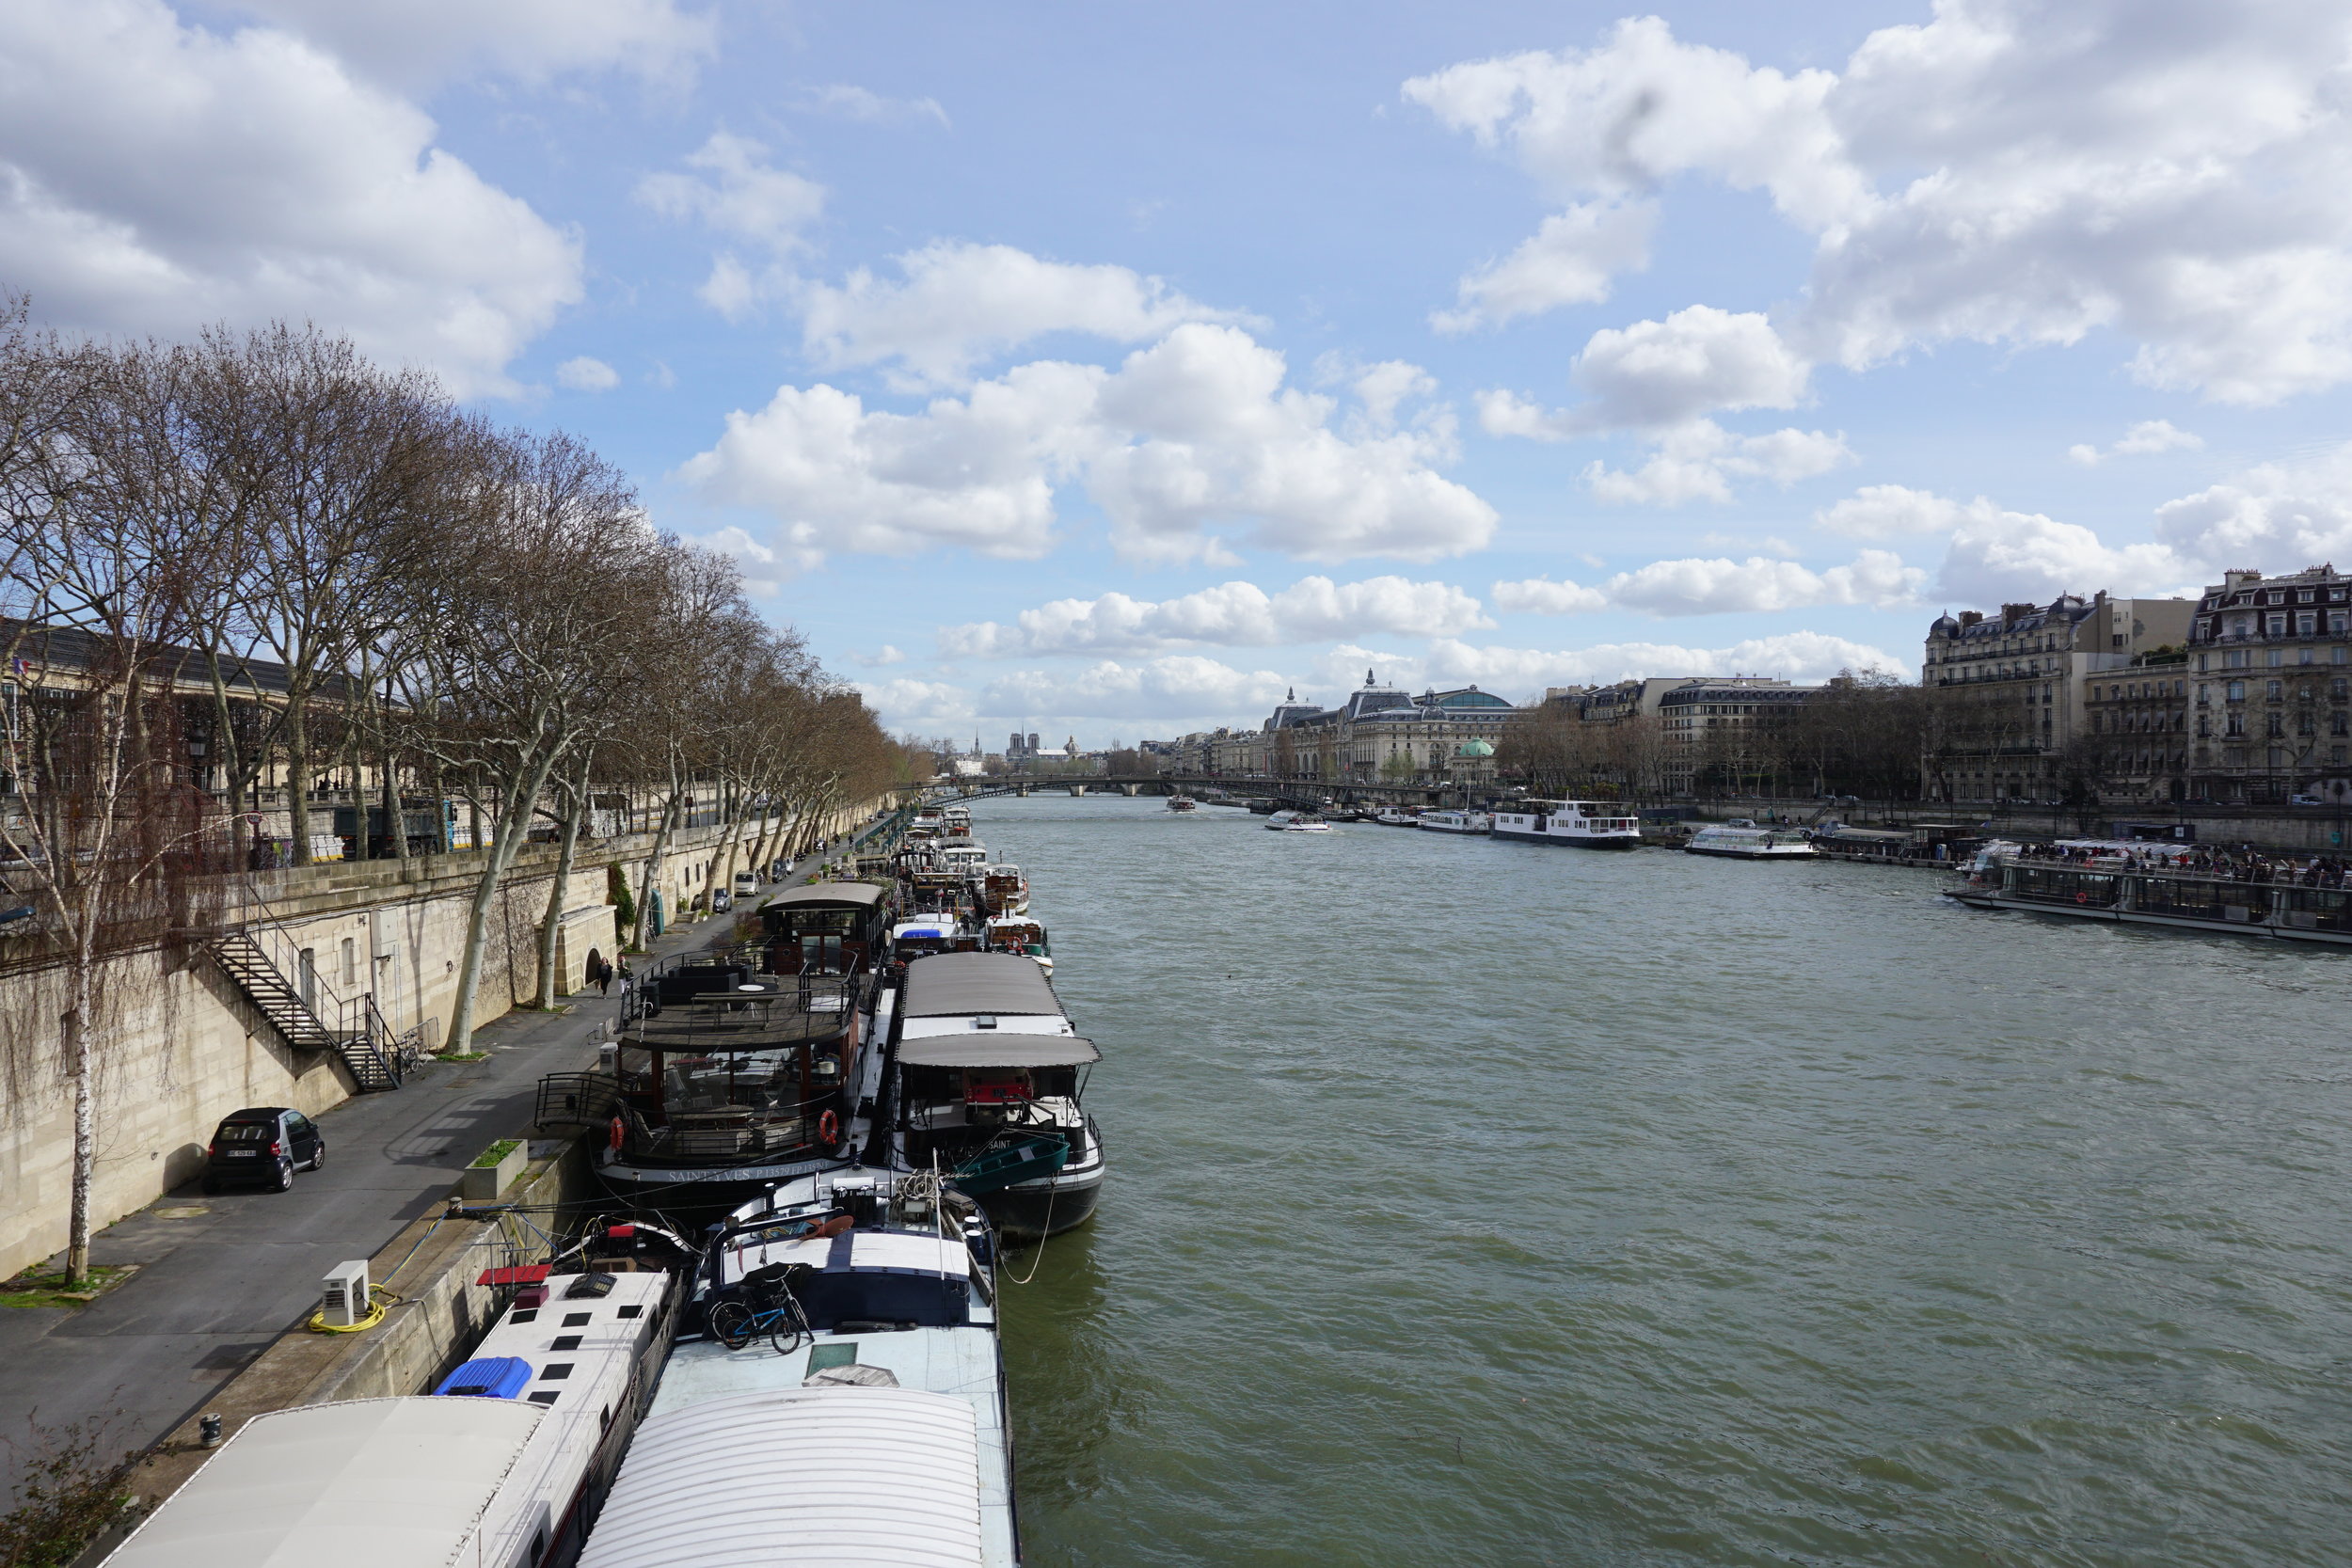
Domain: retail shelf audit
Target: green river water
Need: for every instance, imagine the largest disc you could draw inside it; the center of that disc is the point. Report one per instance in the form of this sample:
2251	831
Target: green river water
1478	1202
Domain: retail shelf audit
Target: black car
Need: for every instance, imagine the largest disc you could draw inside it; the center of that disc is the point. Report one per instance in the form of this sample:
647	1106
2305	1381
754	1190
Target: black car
262	1144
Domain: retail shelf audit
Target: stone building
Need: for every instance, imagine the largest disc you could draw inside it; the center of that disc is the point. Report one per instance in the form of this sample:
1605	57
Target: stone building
2020	688
2270	710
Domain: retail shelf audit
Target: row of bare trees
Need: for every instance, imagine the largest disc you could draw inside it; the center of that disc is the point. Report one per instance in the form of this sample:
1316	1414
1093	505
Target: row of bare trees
249	579
1866	734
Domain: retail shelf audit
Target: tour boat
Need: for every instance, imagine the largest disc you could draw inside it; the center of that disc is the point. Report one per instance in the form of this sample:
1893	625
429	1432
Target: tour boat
1305	822
863	1418
1587	824
987	1083
1452	821
1396	816
1741	839
1276	821
2111	888
505	1462
1182	803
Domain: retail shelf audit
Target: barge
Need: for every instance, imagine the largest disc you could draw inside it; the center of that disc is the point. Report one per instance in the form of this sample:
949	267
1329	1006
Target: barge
2286	912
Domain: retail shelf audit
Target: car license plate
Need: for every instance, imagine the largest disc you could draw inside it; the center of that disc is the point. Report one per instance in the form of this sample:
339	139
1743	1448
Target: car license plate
242	1153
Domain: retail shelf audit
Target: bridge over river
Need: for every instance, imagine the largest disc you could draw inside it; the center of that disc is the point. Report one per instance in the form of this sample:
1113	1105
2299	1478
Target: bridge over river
1297	793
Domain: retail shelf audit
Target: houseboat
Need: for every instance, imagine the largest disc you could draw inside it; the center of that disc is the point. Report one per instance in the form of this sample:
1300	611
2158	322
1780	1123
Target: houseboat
2109	885
1741	839
1584	824
827	928
1452	821
1019	933
987	1083
1004	890
836	1395
725	1078
506	1464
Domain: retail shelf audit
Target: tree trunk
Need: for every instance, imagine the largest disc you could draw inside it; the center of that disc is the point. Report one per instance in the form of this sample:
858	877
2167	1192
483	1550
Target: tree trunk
395	820
298	779
81	1063
553	922
653	868
494	867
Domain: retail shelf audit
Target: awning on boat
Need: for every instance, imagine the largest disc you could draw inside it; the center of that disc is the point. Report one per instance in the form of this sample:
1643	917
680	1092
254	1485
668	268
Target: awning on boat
952	985
800	1475
375	1483
864	893
995	1048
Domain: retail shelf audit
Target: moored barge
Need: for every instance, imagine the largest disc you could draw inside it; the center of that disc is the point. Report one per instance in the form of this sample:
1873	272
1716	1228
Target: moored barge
2183	900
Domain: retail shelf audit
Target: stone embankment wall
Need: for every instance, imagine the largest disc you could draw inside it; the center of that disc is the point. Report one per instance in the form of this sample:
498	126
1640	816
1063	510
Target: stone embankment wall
182	1046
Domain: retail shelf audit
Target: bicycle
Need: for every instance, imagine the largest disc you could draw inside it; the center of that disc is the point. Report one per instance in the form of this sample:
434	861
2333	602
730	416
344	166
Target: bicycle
771	1309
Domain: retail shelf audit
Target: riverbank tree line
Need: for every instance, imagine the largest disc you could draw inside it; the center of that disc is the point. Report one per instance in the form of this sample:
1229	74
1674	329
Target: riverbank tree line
261	597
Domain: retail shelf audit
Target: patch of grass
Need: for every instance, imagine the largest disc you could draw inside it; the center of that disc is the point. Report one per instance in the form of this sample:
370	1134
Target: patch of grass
37	1289
496	1152
72	1491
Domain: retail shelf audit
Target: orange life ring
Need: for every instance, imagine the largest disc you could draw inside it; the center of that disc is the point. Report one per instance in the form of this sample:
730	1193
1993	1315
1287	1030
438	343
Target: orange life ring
829	1128
617	1135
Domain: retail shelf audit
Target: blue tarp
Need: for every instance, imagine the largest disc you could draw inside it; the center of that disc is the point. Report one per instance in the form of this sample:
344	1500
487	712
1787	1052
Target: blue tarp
490	1377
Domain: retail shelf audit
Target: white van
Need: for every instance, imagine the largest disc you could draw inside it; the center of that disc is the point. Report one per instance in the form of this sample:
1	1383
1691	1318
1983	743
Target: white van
746	882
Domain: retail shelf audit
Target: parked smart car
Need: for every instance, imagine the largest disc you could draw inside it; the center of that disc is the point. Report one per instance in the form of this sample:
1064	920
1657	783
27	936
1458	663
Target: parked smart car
264	1144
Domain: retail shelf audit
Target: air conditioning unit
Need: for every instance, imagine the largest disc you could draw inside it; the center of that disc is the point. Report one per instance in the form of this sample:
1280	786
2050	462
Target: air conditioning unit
346	1294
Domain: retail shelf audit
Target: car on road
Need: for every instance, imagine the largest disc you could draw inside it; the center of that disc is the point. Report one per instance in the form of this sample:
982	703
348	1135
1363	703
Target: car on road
264	1144
2305	800
746	883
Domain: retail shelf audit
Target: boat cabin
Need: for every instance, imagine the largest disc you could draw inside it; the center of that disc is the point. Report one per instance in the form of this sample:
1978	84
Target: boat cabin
827	928
987	1062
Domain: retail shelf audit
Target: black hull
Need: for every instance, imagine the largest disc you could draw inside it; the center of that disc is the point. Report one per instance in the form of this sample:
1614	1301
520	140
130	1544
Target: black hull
1029	1212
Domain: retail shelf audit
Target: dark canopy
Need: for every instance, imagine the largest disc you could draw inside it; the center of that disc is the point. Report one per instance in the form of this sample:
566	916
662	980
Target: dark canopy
863	894
986	1048
950	985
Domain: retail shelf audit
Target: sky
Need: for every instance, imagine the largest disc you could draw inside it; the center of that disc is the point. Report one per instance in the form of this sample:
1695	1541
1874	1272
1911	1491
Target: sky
1110	370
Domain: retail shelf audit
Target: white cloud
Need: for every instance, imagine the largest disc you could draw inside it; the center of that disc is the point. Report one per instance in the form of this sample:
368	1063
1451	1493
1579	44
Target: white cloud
1702	586
1699	461
1887	510
846	101
1174	687
2005	172
1800	655
1543	596
414	43
882	658
734	193
1998	556
955	305
1232	615
2143	439
1192	438
1569	261
2277	517
1662	376
765	568
913	705
156	177
585	375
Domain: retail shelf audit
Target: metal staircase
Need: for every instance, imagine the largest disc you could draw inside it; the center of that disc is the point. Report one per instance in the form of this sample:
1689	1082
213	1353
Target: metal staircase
359	1036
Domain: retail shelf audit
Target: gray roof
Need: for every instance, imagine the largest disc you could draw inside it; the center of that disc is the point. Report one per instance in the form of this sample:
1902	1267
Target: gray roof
992	1049
865	894
950	985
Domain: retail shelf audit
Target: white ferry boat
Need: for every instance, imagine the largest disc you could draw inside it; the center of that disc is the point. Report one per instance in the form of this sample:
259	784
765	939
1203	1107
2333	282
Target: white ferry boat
1452	822
1587	824
1396	816
1741	839
1182	803
506	1466
1305	822
838	1395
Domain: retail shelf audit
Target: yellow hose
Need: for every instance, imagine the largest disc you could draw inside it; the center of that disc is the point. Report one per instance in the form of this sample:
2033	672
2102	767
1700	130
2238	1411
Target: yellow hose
378	1298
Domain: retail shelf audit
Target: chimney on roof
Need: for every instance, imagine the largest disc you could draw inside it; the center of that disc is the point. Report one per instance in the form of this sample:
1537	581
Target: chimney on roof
2013	613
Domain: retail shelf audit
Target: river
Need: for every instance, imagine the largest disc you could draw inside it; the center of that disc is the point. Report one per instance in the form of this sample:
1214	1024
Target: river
1478	1202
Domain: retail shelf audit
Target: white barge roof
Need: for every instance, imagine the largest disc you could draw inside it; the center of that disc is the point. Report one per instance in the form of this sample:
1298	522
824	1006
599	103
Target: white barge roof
960	984
368	1483
999	1049
799	1476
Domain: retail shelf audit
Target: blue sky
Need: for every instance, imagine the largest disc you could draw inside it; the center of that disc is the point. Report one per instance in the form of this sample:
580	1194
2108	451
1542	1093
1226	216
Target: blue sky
1104	370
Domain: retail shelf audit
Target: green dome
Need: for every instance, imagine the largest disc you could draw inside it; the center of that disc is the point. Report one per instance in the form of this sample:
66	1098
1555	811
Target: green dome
1475	748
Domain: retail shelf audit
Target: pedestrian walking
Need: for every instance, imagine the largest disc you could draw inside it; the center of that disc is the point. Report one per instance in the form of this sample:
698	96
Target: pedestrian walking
604	978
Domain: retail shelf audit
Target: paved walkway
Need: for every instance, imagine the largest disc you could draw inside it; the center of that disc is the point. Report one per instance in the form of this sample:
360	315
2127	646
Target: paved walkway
220	1278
